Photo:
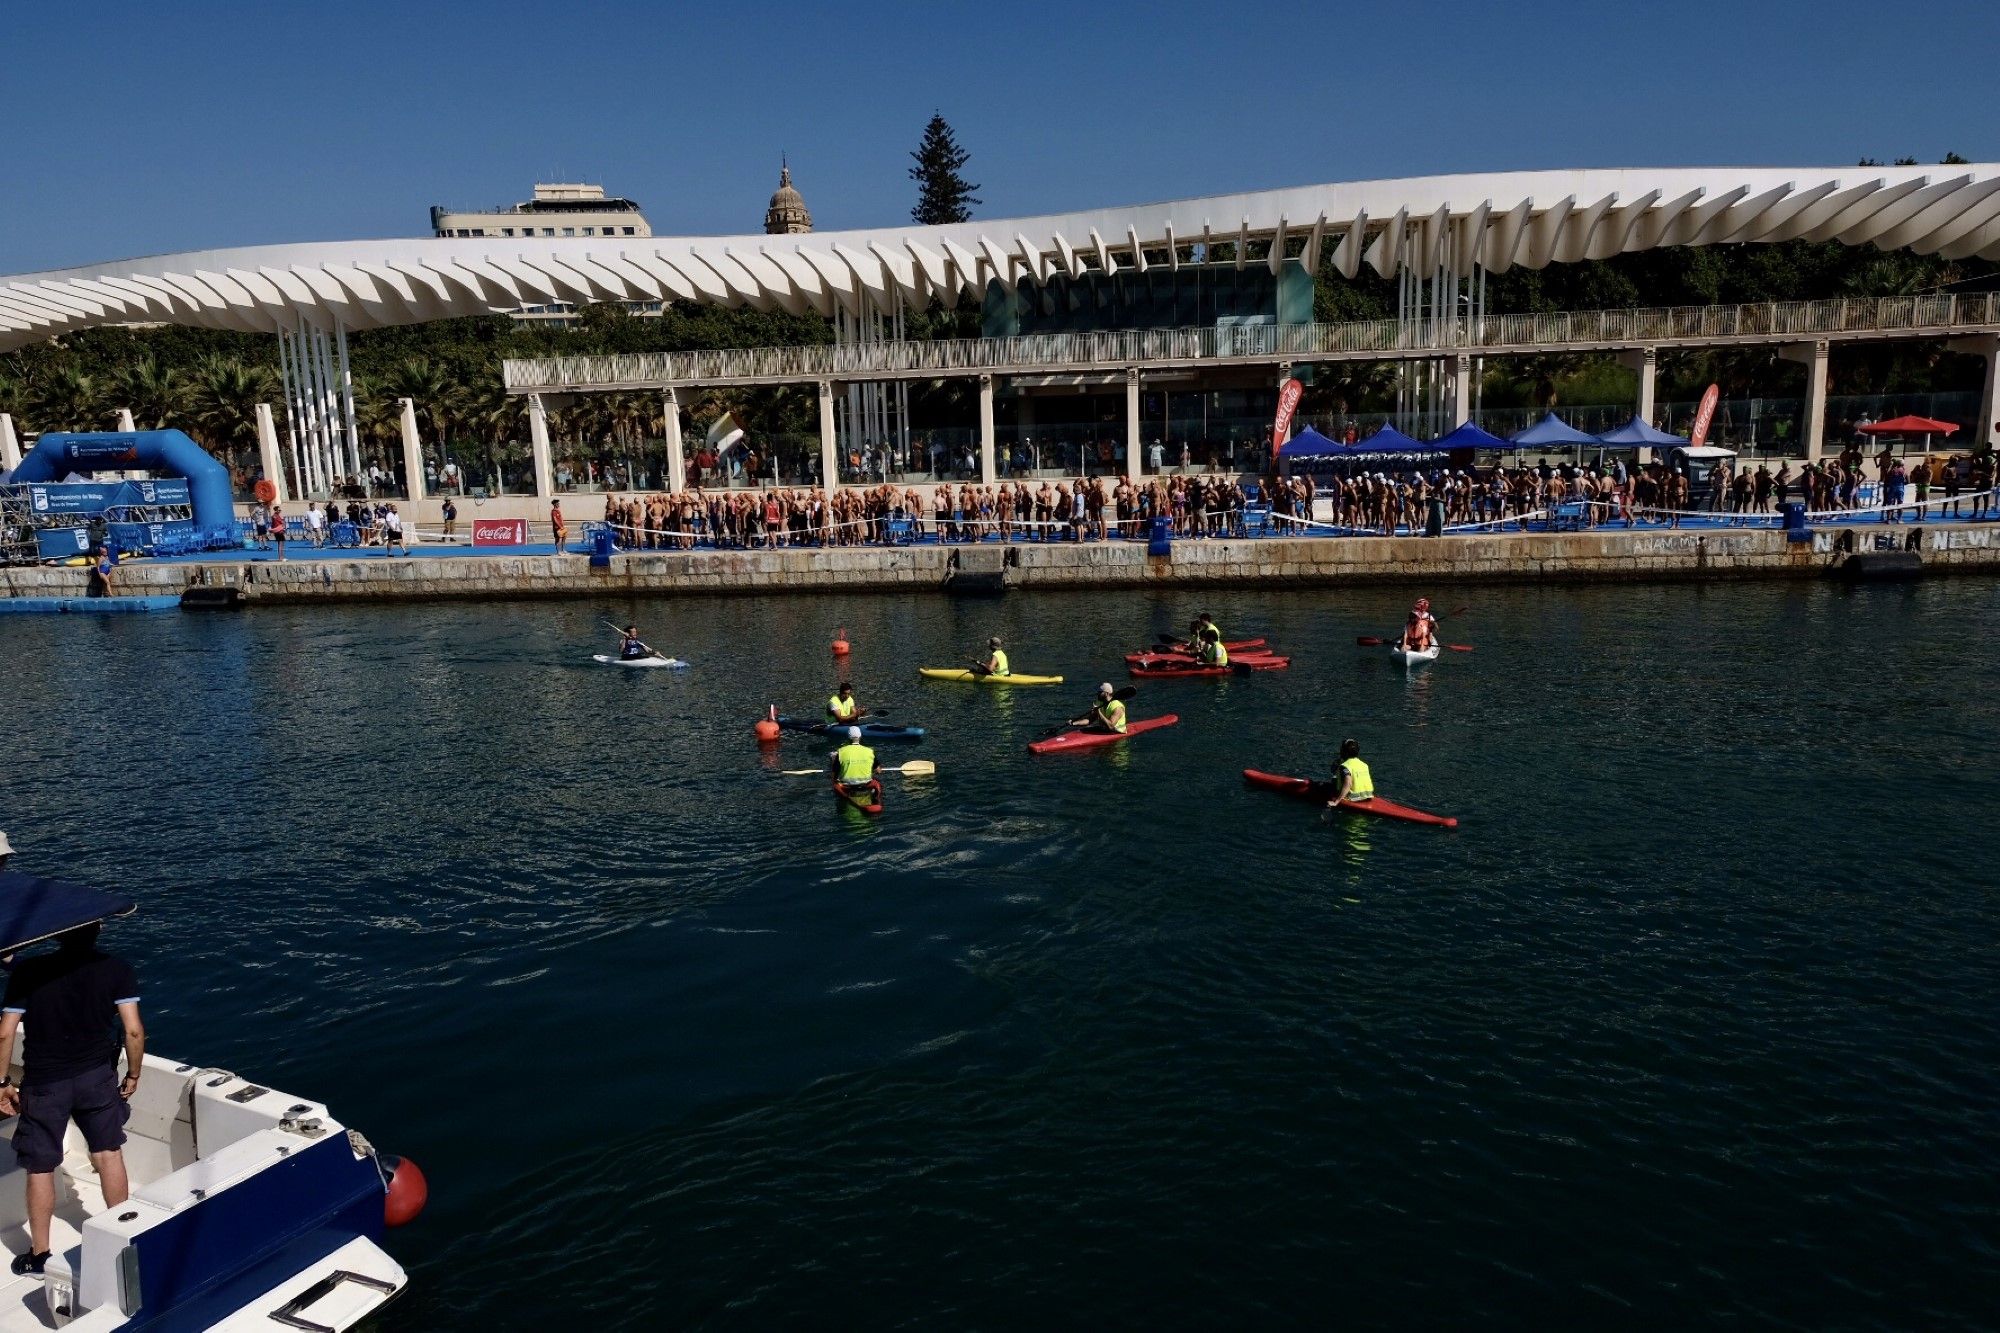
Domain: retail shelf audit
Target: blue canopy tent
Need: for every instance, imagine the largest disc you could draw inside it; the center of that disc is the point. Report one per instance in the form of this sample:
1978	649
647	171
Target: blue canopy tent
1636	431
1469	436
1550	430
1309	443
1389	440
34	908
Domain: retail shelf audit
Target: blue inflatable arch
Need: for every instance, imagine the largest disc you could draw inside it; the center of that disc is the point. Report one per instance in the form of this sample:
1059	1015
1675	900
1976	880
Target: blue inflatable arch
58	454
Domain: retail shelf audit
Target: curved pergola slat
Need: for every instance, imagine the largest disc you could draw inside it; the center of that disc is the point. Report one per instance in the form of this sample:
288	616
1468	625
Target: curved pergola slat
1530	219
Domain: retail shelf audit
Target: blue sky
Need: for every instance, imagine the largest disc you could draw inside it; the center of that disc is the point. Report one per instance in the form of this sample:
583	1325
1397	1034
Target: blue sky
135	128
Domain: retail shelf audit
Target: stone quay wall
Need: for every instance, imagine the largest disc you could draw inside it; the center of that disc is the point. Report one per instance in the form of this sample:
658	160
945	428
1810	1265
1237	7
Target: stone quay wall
1603	555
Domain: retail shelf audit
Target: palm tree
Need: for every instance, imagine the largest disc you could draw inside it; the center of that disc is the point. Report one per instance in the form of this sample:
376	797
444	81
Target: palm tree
153	393
66	399
220	400
439	399
14	399
1543	373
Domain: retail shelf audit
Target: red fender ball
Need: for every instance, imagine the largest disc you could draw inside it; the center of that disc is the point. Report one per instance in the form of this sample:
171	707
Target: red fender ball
408	1192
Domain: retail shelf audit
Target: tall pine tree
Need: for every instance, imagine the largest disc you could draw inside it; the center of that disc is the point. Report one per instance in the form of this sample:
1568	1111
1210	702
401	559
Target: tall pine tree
942	194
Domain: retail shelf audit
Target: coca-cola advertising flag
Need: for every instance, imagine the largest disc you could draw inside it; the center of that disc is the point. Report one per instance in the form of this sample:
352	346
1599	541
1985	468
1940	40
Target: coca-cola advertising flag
1288	403
1704	416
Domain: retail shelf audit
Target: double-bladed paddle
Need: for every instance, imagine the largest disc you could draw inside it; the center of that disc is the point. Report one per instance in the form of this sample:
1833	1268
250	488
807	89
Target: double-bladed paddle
651	651
1370	641
916	768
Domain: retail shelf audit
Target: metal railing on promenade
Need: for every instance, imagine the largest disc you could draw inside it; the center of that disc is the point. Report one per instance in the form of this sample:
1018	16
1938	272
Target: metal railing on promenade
1055	353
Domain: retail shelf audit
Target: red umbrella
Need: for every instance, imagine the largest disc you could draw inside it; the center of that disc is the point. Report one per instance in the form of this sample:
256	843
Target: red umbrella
1909	426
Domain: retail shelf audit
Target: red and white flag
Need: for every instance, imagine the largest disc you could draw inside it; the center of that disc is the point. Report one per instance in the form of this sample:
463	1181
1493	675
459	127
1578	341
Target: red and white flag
1288	403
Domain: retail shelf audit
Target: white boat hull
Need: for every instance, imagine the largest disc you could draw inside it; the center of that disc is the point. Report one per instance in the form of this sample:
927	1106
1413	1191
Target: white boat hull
1410	659
672	663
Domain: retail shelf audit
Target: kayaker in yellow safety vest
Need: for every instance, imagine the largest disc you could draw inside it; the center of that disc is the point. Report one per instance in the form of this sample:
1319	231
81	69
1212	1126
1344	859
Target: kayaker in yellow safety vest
1355	782
843	706
1212	652
996	662
853	763
1107	714
1203	624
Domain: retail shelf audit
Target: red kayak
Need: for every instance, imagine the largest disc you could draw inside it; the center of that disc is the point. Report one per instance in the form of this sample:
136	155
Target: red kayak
1233	645
1147	659
1083	740
1307	789
868	799
1238	666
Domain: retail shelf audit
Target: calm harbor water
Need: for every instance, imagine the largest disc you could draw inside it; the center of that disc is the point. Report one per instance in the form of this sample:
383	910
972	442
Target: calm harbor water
1696	1018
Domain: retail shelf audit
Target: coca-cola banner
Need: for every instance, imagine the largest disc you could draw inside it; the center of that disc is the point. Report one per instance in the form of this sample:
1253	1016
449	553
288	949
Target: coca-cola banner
499	532
1704	416
1288	403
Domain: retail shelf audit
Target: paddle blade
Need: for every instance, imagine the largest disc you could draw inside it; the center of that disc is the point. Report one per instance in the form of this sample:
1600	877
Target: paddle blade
1459	647
917	768
1125	692
1369	641
804	772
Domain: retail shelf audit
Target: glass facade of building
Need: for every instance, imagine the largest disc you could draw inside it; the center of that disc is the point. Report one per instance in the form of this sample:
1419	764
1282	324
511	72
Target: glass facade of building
1193	295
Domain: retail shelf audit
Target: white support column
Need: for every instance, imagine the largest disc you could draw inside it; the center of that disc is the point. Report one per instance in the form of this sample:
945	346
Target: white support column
670	413
413	451
1813	355
347	398
1132	467
10	444
1645	361
1461	390
1986	430
125	422
538	447
268	459
829	447
989	471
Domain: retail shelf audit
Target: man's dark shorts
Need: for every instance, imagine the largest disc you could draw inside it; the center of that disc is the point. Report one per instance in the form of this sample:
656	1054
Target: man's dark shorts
91	1099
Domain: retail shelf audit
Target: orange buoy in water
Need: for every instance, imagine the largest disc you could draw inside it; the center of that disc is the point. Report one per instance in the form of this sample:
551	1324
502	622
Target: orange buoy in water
767	727
407	1194
841	647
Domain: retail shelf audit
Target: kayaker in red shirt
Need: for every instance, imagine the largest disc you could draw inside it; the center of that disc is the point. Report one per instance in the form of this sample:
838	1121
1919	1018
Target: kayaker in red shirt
1421	631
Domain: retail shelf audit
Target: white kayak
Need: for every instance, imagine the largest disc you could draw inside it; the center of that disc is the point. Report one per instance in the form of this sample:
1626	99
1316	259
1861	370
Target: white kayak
1409	658
609	660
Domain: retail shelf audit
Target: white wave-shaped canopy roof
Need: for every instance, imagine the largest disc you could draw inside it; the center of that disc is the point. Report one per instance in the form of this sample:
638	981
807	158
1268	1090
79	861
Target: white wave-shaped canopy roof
1497	221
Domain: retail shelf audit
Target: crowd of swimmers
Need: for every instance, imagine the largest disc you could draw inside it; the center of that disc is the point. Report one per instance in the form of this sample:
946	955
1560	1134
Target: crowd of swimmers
1092	509
1365	503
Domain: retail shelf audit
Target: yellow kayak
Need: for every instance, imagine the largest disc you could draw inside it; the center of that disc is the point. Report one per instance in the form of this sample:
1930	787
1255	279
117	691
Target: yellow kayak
983	678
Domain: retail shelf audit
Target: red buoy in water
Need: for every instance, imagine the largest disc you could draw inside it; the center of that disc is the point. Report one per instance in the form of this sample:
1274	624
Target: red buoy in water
767	727
840	645
408	1192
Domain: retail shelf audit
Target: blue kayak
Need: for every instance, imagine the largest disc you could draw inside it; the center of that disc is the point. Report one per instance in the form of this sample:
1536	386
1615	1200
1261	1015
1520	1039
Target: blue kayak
870	731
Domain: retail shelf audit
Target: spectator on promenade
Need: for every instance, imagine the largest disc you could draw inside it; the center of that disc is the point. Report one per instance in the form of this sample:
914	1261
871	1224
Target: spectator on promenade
559	528
278	530
450	516
392	527
82	1004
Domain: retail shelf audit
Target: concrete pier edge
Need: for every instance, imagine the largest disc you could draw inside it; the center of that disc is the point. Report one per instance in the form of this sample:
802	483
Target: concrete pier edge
1602	555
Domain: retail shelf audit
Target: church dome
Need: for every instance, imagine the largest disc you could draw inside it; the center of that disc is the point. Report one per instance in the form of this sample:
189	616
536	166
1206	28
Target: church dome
787	214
